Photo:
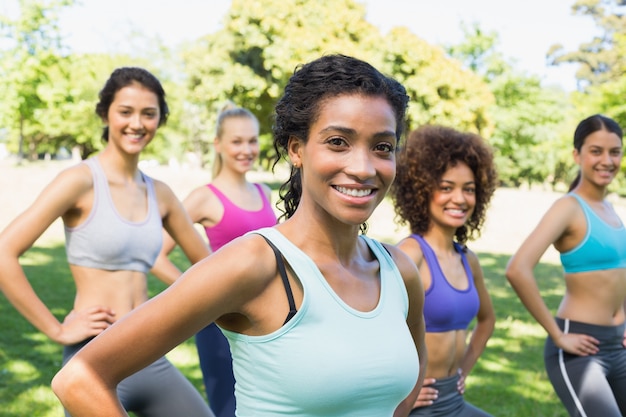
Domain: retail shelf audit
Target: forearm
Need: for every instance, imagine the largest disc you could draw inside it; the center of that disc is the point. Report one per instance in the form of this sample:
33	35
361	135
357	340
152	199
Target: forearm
21	295
531	298
476	346
526	288
165	270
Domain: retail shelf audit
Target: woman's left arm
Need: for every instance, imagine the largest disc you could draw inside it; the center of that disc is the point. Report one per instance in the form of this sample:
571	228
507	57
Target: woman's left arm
415	322
179	226
485	319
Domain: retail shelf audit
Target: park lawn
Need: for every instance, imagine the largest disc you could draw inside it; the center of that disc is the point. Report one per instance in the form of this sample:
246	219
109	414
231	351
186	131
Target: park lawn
509	379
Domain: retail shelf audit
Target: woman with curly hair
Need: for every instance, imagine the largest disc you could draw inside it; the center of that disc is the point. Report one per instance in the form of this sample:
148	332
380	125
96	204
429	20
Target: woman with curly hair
444	182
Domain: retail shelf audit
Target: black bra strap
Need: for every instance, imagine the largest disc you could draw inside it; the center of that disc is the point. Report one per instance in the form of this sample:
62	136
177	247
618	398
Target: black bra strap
283	275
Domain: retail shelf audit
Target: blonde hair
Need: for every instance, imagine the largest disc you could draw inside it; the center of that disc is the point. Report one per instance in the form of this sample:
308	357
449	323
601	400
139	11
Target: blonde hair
229	111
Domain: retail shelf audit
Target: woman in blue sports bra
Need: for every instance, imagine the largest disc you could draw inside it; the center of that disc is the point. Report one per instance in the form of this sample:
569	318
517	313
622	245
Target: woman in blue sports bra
228	207
585	351
445	180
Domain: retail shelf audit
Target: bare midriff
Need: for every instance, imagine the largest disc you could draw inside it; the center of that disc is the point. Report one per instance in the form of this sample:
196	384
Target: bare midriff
121	291
595	297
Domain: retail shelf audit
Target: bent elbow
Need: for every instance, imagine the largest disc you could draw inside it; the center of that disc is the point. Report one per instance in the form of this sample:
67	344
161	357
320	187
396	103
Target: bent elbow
512	272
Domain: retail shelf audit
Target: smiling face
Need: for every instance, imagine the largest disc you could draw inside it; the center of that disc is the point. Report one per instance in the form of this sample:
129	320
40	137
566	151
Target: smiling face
599	158
133	118
348	161
238	144
454	198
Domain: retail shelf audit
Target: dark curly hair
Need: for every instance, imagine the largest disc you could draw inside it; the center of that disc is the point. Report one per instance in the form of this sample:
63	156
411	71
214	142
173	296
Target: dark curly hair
429	152
308	88
123	77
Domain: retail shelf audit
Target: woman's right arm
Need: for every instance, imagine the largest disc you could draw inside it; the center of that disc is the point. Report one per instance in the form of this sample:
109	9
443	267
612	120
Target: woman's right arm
53	202
519	271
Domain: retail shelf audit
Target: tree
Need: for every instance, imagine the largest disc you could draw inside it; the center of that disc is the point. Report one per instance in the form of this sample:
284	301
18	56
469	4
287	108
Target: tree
250	60
33	47
528	117
600	60
441	90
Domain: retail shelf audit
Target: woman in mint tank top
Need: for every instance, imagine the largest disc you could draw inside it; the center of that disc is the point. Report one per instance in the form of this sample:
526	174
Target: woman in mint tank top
322	321
227	208
113	216
585	351
444	182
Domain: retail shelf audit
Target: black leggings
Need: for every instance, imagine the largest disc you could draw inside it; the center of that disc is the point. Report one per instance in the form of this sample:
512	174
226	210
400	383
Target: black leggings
158	390
594	385
449	403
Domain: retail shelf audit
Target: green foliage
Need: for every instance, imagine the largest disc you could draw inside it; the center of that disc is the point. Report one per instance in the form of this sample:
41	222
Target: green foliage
529	119
441	91
250	60
33	48
599	59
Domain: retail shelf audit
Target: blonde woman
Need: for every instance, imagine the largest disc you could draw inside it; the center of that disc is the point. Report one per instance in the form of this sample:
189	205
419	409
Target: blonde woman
226	208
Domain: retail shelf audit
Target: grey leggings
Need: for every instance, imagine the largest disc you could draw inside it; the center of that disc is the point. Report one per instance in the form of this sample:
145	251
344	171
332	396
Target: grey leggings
594	385
449	402
158	390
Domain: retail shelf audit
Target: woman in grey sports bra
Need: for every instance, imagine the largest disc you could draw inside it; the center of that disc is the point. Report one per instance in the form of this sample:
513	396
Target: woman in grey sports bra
585	351
113	216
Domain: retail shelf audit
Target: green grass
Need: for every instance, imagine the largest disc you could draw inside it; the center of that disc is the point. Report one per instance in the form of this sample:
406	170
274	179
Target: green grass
509	379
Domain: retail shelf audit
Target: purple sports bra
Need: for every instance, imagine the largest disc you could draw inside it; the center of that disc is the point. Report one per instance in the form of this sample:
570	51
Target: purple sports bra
236	221
445	307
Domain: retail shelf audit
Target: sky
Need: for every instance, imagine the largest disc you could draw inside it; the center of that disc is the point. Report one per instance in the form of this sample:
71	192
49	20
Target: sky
526	28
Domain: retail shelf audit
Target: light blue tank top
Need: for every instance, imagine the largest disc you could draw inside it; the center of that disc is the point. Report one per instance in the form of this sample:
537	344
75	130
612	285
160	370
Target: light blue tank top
329	359
108	241
603	247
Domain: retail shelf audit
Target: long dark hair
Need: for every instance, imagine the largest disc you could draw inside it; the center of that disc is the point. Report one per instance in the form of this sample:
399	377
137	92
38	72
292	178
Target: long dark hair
588	126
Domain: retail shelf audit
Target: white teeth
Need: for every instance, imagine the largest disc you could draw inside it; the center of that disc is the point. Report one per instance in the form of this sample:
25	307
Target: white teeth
353	192
456	211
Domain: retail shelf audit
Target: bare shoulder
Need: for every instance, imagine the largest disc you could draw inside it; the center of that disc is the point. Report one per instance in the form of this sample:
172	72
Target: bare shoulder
201	194
406	265
474	262
412	248
471	256
564	206
162	190
257	267
70	183
78	175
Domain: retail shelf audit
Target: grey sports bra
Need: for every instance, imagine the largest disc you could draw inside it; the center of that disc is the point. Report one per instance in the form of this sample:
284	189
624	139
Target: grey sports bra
108	241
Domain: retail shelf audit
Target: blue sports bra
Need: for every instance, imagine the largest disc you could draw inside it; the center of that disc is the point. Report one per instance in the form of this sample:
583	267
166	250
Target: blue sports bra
445	307
603	247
